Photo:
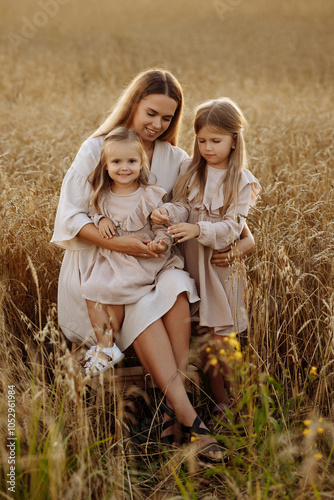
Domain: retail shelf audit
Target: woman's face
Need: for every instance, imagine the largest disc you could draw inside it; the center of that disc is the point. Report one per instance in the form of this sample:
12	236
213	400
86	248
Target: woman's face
153	116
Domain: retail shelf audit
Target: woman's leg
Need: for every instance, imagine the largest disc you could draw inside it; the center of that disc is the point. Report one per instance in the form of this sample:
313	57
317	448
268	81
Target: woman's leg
177	323
154	350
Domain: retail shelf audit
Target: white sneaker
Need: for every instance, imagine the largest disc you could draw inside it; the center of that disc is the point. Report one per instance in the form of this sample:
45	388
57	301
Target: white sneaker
96	365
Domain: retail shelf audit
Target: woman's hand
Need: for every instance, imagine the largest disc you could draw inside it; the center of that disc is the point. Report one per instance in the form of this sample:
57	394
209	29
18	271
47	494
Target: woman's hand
106	228
184	231
160	215
243	247
131	245
157	247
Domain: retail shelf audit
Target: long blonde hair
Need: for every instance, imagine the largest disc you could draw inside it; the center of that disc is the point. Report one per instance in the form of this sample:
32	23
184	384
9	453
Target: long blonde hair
152	81
100	179
221	115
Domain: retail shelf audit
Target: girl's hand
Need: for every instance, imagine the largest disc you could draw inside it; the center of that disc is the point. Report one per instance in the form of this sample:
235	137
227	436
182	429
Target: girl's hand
106	228
184	231
160	215
157	247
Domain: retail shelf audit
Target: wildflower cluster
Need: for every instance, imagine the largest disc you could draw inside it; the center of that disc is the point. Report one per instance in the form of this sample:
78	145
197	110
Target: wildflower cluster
313	429
226	350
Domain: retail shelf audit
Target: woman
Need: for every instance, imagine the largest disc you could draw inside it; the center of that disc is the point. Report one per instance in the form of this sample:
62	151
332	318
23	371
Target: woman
158	324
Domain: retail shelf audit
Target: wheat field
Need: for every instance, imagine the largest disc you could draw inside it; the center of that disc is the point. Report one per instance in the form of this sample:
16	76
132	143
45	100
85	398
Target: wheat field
64	63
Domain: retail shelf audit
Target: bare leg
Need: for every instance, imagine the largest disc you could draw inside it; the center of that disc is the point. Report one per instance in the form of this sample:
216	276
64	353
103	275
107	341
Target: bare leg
106	321
154	349
178	326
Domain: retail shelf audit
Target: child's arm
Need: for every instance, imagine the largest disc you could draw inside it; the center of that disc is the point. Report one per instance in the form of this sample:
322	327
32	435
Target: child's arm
217	235
106	228
170	212
105	225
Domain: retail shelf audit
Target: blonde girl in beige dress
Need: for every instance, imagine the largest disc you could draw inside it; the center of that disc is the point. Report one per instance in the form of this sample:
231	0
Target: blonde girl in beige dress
122	201
213	195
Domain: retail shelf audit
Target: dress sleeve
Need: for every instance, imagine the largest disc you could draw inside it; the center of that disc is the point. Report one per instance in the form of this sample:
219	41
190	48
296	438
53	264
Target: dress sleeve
73	208
219	235
178	212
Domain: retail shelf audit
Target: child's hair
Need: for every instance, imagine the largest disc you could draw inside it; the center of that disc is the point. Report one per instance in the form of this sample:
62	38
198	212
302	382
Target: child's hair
100	179
153	81
220	115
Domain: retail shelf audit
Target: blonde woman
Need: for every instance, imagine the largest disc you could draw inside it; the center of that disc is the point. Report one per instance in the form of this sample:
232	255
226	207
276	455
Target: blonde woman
158	324
213	196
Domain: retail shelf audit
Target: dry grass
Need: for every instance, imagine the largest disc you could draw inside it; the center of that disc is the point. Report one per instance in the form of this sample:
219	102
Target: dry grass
276	61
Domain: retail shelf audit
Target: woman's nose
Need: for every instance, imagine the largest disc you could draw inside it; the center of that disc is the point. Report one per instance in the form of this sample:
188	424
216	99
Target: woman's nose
157	122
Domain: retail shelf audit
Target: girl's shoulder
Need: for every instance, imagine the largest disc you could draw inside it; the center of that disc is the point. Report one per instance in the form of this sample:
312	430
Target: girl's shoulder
153	192
248	178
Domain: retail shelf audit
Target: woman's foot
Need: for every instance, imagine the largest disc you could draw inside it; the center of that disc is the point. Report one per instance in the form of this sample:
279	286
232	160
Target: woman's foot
206	446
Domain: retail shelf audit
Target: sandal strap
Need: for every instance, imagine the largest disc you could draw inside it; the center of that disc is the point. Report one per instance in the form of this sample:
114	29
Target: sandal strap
166	409
168	423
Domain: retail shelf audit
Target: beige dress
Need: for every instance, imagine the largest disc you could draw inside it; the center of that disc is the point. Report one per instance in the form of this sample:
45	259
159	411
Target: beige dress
222	290
118	278
72	215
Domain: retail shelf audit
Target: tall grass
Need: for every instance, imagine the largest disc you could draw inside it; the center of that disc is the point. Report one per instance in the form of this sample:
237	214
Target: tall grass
275	60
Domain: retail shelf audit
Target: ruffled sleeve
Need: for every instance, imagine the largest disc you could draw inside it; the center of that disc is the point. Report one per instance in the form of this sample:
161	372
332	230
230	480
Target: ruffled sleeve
152	198
73	207
219	235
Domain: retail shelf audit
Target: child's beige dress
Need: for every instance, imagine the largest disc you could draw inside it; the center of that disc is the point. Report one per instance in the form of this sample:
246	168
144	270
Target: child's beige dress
118	278
73	214
222	290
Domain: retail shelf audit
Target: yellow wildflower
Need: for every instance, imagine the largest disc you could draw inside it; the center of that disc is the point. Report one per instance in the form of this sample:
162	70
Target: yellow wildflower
238	356
313	371
192	439
320	430
306	432
318	456
233	335
307	423
222	352
208	349
214	361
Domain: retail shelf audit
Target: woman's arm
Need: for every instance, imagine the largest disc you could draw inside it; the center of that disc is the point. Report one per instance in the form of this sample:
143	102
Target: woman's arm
131	245
243	247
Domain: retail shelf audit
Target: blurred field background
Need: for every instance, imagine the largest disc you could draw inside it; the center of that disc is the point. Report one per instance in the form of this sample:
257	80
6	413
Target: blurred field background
63	65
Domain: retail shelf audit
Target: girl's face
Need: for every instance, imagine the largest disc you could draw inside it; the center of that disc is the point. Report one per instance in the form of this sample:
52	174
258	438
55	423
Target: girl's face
153	116
215	146
123	163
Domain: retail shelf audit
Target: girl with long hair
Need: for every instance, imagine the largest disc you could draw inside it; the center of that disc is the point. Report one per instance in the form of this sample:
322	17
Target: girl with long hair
210	205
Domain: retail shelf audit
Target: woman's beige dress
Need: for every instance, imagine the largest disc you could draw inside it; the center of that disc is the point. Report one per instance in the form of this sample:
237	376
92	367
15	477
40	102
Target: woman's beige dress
118	278
72	215
222	290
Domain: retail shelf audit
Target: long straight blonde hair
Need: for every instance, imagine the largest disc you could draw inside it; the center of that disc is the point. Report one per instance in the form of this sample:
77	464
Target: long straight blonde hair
100	179
223	116
152	81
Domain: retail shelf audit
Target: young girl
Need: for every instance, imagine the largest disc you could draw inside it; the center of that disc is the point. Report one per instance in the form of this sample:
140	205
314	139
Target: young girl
213	195
121	202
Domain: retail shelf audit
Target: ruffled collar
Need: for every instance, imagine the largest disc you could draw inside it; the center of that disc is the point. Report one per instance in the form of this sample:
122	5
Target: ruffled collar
151	197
